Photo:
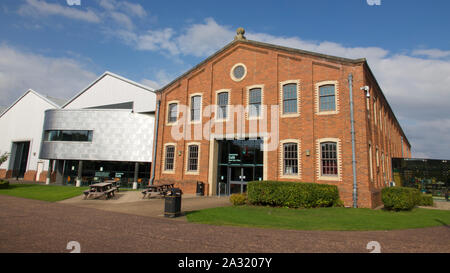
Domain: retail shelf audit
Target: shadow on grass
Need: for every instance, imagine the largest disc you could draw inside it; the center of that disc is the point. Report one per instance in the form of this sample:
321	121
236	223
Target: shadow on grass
442	223
186	213
15	186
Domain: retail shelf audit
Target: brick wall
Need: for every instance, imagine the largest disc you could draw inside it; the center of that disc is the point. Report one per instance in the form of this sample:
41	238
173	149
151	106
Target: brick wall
269	68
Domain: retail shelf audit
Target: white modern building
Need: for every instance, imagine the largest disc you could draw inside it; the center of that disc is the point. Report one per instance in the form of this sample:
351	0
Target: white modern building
104	132
21	133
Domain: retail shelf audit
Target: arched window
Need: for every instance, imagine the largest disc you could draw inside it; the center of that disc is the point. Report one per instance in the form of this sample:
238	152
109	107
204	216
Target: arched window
196	102
327	98
192	163
328	159
290	159
290	98
169	158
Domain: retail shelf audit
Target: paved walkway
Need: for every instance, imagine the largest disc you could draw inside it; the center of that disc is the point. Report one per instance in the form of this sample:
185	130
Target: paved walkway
35	226
131	202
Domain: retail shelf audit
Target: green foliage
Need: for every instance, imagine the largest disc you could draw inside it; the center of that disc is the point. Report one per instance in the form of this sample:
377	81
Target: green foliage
238	199
400	198
4	184
426	200
3	158
292	194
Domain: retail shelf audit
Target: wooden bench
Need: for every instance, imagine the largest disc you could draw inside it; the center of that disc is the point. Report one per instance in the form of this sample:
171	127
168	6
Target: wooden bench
110	193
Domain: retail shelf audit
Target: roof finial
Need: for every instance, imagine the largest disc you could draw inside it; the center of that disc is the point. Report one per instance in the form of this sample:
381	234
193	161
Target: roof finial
240	34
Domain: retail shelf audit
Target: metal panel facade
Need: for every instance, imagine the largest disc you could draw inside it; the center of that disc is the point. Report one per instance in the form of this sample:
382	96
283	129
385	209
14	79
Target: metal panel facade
118	135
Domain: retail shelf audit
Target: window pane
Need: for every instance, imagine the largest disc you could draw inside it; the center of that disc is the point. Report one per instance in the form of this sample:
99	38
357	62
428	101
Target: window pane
68	135
290	98
254	102
173	112
195	108
327	98
329	158
193	158
290	159
222	101
170	153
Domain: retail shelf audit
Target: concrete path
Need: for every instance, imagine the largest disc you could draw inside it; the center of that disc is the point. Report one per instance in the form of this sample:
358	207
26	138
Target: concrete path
131	202
35	226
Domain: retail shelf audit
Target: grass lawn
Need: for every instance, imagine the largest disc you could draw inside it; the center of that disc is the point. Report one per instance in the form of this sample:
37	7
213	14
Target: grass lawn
51	193
320	218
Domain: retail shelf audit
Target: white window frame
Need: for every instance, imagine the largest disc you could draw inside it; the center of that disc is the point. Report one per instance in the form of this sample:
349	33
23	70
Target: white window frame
281	156
174	158
217	105
190	108
186	169
289	115
337	177
177	102
336	97
247	112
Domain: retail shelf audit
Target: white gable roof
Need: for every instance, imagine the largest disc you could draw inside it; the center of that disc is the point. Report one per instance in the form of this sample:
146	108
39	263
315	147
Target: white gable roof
50	103
110	89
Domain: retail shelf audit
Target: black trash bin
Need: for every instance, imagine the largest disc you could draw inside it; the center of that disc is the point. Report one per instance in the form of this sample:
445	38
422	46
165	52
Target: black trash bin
172	203
200	188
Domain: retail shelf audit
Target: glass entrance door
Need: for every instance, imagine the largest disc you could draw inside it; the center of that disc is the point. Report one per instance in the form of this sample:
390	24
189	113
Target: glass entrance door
240	161
239	177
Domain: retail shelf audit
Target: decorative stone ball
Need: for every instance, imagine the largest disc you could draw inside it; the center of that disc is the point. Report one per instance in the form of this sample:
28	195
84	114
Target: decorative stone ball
240	31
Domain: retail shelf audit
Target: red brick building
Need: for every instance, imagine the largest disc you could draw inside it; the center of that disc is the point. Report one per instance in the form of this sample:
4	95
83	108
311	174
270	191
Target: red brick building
257	111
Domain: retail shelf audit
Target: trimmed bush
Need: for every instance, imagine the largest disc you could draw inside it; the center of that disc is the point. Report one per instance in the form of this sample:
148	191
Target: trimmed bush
238	199
426	200
292	194
400	198
4	184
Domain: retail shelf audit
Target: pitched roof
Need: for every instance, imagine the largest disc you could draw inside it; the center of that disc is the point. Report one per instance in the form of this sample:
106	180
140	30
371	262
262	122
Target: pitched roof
271	46
107	73
290	50
26	93
57	101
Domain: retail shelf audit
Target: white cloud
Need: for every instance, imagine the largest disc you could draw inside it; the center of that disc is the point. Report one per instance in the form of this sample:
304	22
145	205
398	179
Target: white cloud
42	8
202	40
56	77
122	19
155	40
432	53
134	9
161	78
119	12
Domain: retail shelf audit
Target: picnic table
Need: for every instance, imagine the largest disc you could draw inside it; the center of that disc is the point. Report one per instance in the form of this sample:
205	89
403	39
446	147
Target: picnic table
114	183
98	190
160	189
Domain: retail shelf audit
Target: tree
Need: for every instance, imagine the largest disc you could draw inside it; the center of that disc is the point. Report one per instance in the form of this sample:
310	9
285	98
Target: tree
3	157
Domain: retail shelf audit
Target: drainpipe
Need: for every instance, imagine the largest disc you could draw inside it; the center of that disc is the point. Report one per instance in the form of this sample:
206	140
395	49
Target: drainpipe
352	122
158	104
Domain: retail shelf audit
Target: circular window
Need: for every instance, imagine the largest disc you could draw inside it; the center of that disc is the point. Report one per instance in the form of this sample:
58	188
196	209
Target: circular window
238	72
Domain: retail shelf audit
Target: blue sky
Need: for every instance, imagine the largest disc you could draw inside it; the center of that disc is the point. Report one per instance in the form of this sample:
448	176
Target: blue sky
406	43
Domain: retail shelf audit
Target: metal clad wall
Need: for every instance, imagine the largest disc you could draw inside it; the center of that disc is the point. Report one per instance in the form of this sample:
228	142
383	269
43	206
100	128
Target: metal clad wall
119	135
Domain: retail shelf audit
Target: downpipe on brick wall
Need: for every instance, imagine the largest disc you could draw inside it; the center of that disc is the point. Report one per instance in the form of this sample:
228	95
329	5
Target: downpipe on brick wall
352	122
155	136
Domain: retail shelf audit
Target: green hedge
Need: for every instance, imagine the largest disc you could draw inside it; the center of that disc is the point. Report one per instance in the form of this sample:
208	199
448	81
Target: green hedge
400	198
292	194
238	199
4	184
426	200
